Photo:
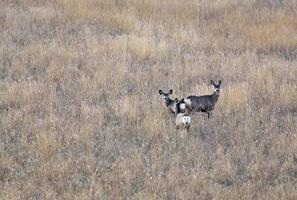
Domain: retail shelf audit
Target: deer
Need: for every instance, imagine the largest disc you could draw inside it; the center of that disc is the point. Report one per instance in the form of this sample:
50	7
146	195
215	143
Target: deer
182	121
178	108
167	101
174	106
182	118
205	103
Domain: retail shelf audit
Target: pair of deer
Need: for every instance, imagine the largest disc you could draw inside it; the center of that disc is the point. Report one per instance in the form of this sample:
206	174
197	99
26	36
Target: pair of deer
184	107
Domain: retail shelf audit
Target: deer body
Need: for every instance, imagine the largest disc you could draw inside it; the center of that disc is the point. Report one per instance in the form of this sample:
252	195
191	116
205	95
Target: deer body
183	121
204	103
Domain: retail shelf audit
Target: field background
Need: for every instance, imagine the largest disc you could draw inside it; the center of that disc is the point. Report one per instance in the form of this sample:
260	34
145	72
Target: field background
81	117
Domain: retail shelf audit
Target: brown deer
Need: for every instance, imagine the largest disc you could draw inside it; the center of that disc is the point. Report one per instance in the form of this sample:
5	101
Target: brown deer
167	101
174	106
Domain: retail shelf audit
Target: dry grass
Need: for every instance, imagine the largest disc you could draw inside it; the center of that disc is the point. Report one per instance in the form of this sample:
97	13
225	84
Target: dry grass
81	117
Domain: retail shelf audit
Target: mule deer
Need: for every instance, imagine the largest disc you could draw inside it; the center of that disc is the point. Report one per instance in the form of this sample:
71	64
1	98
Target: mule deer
168	102
182	119
173	106
204	103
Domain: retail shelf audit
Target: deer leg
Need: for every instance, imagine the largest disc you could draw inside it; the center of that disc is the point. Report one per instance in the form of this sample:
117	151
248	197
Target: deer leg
208	115
186	138
188	127
176	140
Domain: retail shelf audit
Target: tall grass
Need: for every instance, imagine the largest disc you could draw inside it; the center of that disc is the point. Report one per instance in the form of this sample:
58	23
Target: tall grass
81	117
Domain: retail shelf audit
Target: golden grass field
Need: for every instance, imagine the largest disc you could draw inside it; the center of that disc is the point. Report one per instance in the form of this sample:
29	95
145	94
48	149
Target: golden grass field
81	116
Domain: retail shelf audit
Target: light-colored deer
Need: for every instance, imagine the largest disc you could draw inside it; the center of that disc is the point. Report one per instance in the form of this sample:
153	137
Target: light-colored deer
182	118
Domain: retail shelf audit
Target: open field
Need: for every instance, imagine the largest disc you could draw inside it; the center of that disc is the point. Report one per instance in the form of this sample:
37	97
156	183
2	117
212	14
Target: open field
81	116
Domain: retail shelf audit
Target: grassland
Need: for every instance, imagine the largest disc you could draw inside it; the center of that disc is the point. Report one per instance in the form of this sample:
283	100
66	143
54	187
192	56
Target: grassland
80	114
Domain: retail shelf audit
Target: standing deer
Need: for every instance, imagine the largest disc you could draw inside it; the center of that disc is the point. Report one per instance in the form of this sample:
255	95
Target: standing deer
182	118
204	103
168	102
174	106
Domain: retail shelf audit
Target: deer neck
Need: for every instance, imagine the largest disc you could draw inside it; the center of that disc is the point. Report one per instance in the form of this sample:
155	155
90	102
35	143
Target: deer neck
168	102
215	96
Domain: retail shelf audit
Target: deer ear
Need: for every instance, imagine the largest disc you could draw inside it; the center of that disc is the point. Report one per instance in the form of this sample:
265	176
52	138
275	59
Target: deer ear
211	82
160	92
220	82
170	91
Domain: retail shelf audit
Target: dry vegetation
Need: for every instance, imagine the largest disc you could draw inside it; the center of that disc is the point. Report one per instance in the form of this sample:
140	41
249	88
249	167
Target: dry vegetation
81	117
